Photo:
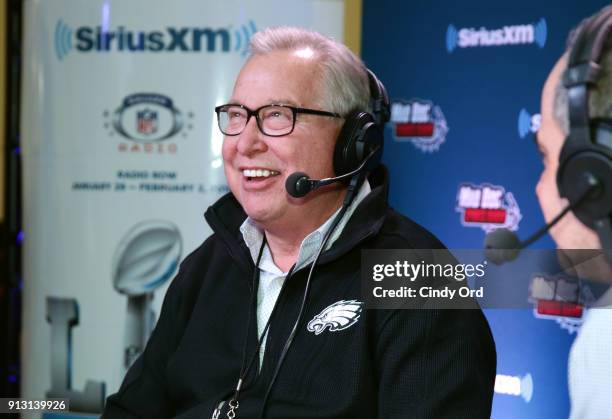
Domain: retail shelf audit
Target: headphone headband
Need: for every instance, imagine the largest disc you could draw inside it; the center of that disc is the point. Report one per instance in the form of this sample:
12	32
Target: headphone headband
583	67
379	98
585	161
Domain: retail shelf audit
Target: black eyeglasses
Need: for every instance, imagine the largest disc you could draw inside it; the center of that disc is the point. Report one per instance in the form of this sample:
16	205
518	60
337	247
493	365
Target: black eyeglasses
272	120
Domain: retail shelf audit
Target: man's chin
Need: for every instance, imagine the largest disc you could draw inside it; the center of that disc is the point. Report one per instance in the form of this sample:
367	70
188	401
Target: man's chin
261	214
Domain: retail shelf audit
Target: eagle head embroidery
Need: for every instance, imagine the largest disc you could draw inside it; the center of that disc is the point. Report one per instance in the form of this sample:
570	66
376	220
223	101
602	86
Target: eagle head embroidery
338	316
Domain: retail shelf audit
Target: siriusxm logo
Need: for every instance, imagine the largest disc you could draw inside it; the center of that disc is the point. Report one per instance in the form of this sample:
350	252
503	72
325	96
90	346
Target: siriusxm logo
508	35
528	123
86	39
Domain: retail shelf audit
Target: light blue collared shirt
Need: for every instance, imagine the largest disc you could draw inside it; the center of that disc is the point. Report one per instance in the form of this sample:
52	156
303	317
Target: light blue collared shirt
271	277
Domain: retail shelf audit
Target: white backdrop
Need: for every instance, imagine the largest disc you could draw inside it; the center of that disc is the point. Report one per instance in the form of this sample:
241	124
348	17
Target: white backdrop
121	156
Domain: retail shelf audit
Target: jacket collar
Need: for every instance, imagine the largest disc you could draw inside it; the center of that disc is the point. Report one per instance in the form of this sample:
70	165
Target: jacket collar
226	215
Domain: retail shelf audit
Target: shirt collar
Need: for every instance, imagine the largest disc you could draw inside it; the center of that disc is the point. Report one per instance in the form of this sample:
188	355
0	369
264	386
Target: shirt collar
253	237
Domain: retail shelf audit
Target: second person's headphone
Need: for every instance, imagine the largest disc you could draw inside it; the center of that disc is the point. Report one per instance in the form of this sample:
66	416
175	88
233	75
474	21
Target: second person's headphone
584	176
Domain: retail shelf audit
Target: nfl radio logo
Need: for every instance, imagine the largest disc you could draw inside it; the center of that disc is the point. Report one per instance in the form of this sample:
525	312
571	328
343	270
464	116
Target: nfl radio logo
146	122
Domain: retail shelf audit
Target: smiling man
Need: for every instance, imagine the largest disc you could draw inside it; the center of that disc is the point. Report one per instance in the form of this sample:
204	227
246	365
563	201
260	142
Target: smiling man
256	324
258	158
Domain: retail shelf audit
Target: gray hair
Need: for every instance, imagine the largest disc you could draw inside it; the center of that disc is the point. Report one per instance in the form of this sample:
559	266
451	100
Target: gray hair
600	96
344	80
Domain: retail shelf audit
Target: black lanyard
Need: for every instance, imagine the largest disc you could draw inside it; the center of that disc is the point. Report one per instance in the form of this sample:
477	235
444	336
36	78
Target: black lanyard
246	367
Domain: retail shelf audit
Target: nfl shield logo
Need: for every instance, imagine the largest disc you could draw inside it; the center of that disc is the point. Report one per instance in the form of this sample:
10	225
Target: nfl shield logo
146	121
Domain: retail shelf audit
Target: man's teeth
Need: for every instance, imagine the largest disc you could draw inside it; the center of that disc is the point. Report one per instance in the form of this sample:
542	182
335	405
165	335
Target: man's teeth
259	173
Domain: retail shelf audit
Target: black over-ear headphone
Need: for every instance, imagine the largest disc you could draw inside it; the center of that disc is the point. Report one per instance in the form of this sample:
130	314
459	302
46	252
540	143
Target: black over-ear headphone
363	131
585	162
358	147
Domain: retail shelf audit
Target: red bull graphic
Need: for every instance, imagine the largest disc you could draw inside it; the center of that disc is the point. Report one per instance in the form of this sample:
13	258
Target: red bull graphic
420	122
487	206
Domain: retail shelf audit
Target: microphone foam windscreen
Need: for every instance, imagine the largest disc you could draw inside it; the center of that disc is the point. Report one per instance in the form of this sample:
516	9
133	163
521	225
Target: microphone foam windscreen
297	184
502	245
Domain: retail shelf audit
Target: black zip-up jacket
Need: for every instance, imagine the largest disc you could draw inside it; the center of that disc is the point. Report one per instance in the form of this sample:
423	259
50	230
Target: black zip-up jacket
389	364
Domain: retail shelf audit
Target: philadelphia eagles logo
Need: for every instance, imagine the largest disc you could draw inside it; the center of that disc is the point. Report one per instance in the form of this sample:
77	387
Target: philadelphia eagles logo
338	316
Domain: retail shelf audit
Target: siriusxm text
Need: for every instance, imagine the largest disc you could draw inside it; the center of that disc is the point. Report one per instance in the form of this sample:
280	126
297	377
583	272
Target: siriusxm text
183	39
508	35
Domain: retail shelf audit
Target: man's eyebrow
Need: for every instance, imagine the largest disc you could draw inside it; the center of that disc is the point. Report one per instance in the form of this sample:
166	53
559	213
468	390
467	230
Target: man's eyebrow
285	101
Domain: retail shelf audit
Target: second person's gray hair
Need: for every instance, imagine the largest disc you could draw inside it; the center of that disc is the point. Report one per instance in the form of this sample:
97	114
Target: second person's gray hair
600	96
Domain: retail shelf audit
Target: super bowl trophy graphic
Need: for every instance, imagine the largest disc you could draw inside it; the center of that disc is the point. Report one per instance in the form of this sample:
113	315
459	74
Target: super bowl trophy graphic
63	316
146	257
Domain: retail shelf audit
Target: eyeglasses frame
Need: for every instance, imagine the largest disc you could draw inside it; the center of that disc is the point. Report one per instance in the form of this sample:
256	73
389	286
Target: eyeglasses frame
295	110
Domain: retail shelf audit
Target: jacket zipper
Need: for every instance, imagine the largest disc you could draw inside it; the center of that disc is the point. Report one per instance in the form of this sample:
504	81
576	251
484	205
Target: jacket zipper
217	412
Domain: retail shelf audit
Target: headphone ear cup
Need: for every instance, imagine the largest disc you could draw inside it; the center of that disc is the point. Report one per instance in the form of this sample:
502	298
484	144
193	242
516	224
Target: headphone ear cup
358	137
344	152
576	171
362	132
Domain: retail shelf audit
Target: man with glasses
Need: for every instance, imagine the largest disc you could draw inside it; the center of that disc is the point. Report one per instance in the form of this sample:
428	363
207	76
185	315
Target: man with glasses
245	330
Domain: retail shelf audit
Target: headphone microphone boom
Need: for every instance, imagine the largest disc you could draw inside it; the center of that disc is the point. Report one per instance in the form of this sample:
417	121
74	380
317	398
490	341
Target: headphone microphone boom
299	184
502	245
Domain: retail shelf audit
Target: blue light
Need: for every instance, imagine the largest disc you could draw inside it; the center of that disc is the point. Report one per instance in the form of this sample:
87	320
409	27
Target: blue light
105	16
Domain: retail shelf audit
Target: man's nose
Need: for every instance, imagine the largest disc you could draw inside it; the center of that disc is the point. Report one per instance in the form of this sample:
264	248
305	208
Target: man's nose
250	139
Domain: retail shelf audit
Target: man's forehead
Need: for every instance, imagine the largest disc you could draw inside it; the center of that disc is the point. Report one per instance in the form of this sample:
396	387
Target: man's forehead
552	81
279	77
289	61
549	123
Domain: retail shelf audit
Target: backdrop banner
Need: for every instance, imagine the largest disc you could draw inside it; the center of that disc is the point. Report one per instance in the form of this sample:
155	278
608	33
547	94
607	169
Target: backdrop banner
465	80
121	156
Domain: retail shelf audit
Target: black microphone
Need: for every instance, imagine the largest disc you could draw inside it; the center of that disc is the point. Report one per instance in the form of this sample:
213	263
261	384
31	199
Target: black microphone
298	184
502	245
